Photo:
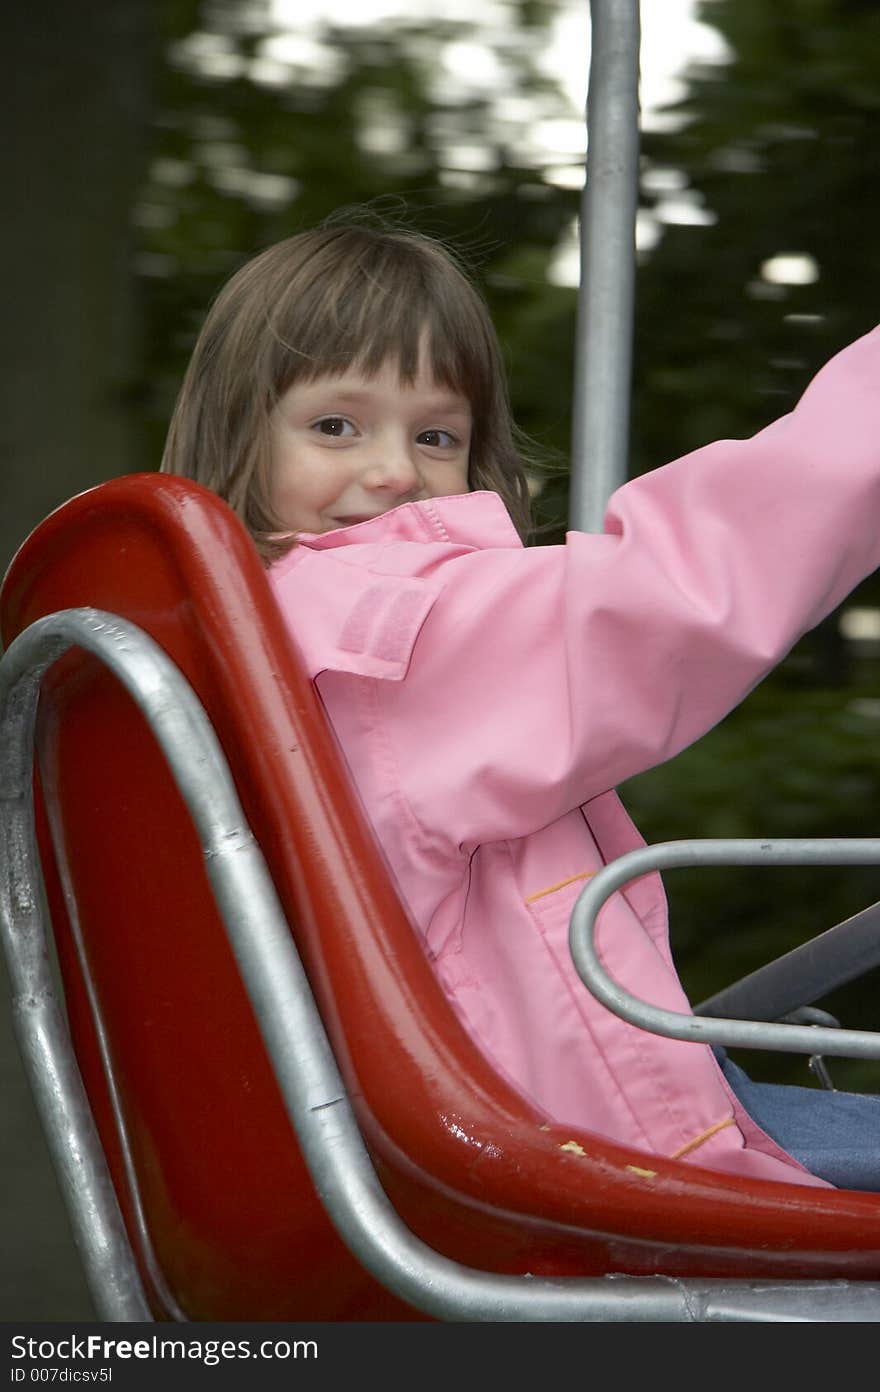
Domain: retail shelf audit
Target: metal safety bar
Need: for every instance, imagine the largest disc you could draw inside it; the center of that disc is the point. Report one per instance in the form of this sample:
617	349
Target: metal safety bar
40	1026
705	1029
310	1082
606	296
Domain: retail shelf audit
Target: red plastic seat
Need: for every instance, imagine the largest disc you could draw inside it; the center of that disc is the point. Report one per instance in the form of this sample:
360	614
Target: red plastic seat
237	1229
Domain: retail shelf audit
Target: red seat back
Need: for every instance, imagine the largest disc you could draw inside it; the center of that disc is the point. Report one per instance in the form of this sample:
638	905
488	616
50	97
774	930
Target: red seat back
236	1228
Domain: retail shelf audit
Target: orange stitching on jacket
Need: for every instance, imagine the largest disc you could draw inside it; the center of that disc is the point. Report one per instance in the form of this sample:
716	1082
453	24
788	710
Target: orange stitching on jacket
703	1136
551	889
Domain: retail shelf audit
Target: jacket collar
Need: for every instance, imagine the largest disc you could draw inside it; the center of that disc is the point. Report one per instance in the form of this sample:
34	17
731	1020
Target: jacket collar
359	606
473	519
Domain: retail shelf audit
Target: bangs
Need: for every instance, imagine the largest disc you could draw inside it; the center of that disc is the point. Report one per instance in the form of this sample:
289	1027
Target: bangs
362	307
337	298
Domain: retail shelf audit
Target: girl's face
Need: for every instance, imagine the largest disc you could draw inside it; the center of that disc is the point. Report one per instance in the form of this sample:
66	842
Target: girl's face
349	448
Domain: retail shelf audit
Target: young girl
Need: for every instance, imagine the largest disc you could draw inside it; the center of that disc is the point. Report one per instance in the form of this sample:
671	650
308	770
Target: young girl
347	398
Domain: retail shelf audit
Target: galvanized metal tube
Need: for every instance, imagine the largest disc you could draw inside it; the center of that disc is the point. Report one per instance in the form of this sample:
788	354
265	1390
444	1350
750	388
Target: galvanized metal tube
606	296
273	976
749	1034
41	1029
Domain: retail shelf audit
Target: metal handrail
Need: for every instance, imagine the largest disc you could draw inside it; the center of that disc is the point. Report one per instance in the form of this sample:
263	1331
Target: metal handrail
40	1026
606	296
310	1082
705	1029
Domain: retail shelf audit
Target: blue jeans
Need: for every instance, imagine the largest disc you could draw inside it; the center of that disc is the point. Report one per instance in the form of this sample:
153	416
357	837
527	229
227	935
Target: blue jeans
835	1135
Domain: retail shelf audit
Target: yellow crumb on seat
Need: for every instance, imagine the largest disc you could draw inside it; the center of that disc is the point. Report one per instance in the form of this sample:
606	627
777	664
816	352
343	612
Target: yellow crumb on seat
573	1147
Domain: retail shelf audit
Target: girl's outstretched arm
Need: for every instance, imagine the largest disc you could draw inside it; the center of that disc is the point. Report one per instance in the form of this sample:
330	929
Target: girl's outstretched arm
540	678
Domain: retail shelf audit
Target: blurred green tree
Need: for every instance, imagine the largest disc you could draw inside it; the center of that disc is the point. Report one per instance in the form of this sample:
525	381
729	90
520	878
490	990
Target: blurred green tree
757	197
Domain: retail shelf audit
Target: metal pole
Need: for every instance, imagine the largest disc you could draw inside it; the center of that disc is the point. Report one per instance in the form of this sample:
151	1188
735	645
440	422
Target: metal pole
603	335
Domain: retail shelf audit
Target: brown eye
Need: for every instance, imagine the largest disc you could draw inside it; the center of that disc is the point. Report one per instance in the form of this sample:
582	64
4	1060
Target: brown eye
335	426
438	439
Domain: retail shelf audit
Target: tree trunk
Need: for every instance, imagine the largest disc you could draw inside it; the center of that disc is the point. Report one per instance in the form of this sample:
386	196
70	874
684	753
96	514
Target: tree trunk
77	85
76	82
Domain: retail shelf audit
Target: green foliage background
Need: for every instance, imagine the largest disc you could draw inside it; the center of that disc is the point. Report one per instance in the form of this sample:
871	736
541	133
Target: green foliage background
216	140
778	148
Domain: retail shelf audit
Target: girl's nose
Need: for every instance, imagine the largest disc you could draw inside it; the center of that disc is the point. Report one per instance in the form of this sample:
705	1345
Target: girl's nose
393	470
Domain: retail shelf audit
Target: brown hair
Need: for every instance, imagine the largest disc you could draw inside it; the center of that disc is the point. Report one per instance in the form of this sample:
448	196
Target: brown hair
341	295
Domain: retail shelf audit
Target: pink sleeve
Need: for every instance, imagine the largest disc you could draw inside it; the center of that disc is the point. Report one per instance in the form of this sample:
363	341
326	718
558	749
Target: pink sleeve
543	677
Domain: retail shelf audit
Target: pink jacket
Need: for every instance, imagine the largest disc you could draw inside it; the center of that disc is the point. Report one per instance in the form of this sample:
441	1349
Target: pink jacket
488	698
